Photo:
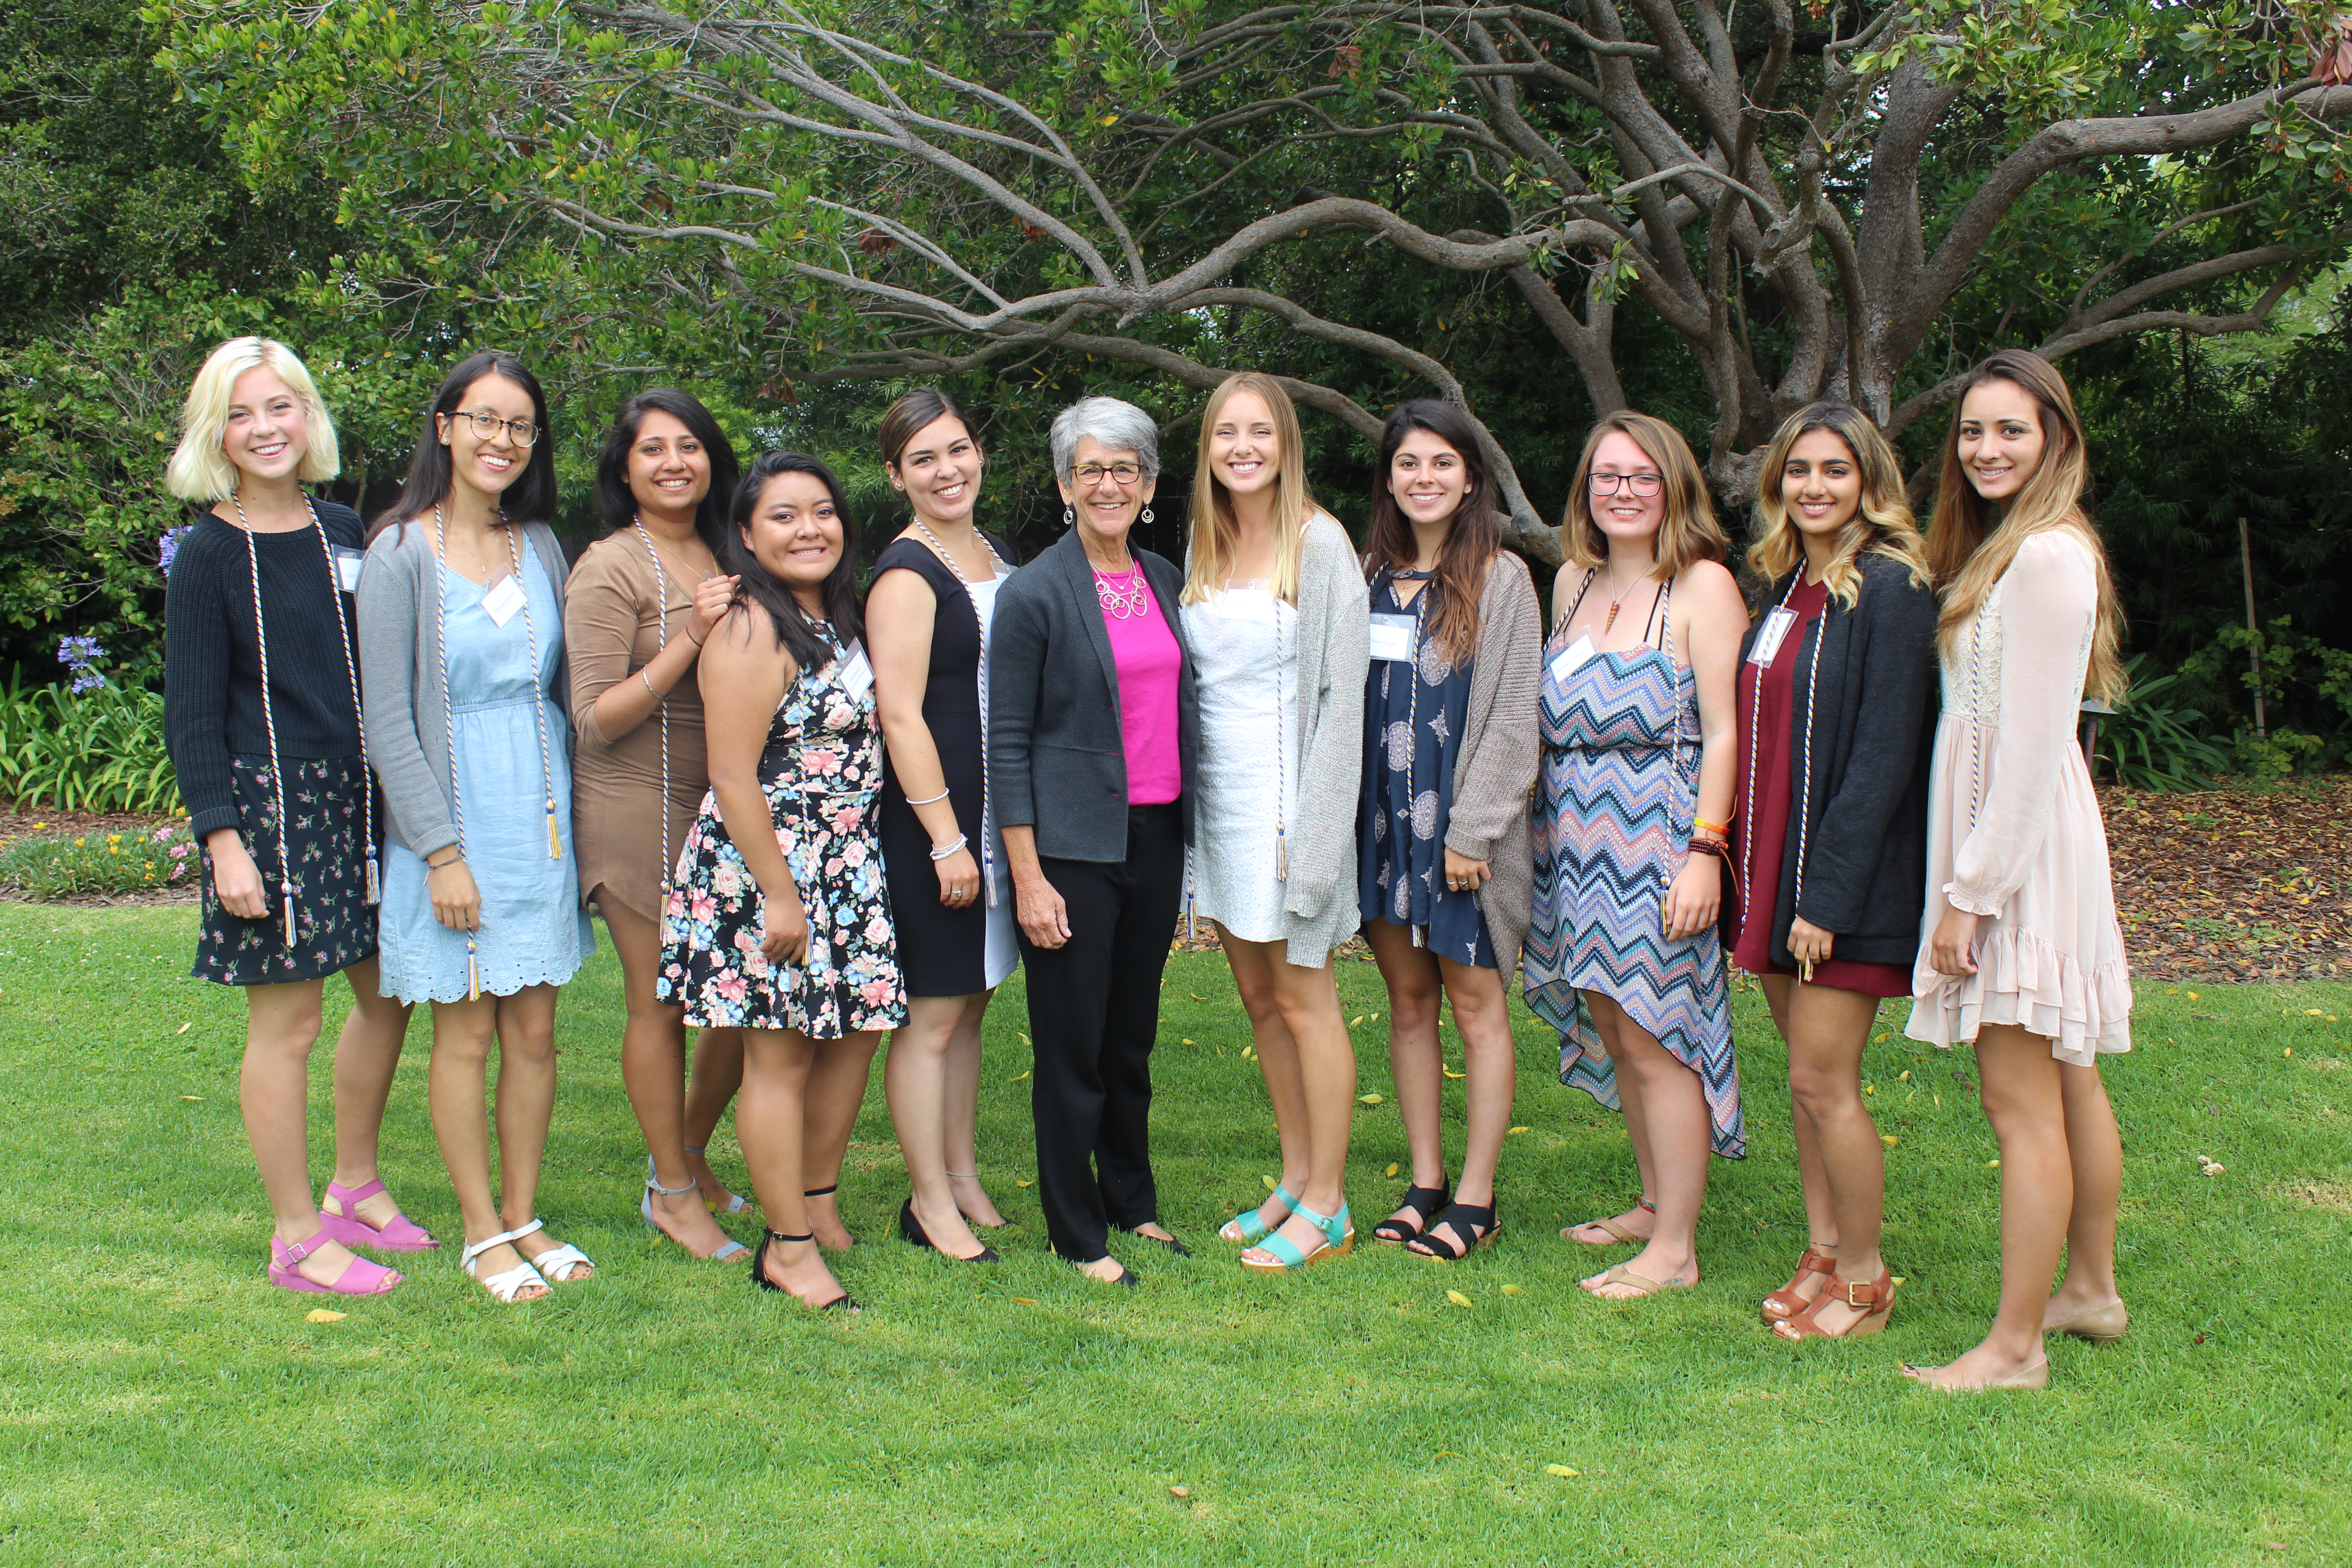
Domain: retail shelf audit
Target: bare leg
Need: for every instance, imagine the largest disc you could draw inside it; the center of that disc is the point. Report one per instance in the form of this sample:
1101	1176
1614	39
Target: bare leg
1490	1068
1667	1114
1415	1061
653	1069
964	1116
456	1090
2023	1099
1827	1031
710	1084
1277	1054
1318	1064
367	1055
1641	1219
281	1024
2096	1148
526	1107
831	1099
769	1123
914	1082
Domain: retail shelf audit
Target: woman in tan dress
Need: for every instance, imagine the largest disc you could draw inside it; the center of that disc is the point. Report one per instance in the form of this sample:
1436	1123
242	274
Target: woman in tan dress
2021	953
639	605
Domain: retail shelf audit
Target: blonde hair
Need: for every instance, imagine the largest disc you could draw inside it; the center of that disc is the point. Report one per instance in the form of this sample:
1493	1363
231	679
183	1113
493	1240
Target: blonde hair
1216	532
1968	556
1881	525
1687	532
200	470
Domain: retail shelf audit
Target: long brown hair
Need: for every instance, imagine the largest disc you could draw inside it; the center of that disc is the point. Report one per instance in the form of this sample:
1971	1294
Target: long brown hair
1469	549
1216	532
1881	525
1687	532
1969	554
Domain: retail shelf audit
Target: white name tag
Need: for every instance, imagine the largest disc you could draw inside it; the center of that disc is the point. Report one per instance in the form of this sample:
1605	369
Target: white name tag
1392	636
1566	661
348	563
504	600
855	675
1775	632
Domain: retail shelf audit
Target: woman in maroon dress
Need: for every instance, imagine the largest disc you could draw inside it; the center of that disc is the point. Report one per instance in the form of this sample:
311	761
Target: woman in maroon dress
1836	689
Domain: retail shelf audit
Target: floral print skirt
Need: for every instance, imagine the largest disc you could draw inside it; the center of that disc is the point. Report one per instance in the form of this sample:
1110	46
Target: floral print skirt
334	925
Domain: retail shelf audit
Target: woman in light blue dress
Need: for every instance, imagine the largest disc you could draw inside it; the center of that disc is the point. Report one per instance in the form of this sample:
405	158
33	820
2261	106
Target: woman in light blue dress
461	648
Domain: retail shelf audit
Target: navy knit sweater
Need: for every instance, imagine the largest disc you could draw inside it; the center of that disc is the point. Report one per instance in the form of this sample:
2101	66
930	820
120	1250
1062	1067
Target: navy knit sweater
212	661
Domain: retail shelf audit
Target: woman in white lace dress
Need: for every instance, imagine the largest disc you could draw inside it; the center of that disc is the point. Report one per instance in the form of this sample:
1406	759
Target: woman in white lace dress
2021	952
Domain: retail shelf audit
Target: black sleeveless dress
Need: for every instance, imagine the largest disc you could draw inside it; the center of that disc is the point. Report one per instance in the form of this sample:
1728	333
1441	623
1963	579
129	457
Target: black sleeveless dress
941	952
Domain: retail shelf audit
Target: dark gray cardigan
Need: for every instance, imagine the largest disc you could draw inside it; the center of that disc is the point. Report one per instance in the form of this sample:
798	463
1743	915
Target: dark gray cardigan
1874	731
1056	757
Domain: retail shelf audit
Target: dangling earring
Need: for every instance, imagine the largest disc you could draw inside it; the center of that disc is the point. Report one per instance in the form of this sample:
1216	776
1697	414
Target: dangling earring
1069	515
1146	518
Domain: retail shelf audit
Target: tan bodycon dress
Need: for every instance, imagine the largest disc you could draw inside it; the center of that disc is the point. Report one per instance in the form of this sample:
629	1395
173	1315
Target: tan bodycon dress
612	628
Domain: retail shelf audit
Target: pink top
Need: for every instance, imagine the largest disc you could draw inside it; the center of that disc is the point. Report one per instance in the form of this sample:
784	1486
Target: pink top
1149	661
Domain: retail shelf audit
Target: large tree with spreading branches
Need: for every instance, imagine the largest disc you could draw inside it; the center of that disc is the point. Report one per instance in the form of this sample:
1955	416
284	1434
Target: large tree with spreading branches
1802	199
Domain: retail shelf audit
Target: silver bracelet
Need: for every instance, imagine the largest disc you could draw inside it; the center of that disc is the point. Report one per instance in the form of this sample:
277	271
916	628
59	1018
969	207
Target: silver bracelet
649	683
933	801
942	851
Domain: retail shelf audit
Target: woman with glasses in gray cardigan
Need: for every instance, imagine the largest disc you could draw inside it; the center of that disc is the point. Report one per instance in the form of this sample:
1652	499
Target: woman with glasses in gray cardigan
1274	610
1092	739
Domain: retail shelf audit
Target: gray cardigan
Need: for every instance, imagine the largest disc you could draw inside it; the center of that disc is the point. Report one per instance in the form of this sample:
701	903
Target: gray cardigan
1056	756
403	693
1501	747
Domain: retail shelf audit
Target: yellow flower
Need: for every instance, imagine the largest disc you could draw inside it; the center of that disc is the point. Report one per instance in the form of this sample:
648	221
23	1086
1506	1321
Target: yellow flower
80	842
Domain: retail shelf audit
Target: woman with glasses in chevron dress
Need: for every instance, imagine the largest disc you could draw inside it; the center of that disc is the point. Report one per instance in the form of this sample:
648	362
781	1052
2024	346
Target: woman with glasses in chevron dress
1640	752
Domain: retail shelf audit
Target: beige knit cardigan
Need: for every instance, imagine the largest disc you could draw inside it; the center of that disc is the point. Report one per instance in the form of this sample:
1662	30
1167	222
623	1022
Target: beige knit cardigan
1501	747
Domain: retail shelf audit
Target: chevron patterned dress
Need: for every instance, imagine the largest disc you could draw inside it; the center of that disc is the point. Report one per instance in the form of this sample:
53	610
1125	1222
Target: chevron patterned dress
1610	826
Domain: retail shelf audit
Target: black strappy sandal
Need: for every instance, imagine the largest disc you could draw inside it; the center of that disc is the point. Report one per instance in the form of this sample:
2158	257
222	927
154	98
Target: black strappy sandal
841	1303
1423	1201
1479	1224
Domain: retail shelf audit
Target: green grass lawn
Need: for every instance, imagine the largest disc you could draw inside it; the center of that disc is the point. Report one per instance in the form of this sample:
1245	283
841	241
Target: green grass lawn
163	1404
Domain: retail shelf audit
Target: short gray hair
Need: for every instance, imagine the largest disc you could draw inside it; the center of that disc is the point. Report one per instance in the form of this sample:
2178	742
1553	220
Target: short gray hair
1119	426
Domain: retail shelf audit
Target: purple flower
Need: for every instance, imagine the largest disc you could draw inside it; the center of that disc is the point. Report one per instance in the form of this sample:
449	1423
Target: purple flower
168	547
81	655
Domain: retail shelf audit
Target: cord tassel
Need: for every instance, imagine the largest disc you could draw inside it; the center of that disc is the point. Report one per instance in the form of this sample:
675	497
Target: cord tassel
374	885
472	971
289	892
554	845
1281	856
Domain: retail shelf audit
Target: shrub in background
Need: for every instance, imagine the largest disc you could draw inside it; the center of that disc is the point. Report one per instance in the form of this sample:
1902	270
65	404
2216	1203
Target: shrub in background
50	865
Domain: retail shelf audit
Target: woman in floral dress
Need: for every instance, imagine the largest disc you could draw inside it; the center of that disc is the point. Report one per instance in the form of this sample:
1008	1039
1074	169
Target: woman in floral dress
777	919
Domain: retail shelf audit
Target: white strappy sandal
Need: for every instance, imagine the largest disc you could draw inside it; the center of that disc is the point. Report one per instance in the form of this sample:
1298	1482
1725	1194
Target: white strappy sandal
558	1265
501	1287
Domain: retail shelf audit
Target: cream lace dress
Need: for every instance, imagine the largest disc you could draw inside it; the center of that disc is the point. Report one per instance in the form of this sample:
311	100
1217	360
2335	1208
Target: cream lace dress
2013	827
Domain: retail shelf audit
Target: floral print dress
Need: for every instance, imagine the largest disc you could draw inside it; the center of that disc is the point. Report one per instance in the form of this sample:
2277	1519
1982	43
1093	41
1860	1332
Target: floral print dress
820	769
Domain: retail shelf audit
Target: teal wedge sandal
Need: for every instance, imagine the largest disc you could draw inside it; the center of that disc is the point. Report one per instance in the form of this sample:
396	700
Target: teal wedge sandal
1339	1240
1249	1229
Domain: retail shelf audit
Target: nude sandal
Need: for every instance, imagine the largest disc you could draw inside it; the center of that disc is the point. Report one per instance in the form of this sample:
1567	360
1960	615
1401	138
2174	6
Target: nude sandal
1619	1235
1641	1283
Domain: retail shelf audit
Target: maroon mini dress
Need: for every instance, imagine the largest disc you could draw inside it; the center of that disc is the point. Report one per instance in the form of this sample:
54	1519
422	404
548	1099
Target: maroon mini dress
1768	694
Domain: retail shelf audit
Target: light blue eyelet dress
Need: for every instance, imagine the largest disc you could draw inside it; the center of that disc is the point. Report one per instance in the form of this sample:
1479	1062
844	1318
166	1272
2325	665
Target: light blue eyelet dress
534	931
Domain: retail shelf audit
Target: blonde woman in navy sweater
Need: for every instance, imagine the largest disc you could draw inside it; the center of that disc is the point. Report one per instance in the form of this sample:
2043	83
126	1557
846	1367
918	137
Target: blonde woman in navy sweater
261	717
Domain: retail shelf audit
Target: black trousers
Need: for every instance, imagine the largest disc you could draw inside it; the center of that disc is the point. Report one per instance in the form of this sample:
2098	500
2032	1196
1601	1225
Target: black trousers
1094	1013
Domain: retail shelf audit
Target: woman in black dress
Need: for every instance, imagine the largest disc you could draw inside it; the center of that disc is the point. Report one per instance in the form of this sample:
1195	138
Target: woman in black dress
926	616
261	718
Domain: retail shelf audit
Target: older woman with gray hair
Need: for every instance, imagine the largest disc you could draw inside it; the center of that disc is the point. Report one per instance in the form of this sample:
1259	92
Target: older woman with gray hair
1093	729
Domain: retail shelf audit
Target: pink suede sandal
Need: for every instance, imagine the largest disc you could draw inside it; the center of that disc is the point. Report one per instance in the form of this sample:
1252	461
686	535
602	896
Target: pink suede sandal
400	1234
361	1279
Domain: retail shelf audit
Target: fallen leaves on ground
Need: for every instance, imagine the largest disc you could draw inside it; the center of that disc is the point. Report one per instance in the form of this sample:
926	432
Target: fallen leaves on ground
2223	885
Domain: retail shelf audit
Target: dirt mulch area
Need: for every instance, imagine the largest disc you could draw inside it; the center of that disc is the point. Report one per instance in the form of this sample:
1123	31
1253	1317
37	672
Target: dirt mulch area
2226	885
15	824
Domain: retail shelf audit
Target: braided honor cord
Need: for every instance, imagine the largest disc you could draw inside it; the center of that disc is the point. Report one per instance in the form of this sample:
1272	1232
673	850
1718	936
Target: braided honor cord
661	599
269	715
1412	718
1755	719
987	839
